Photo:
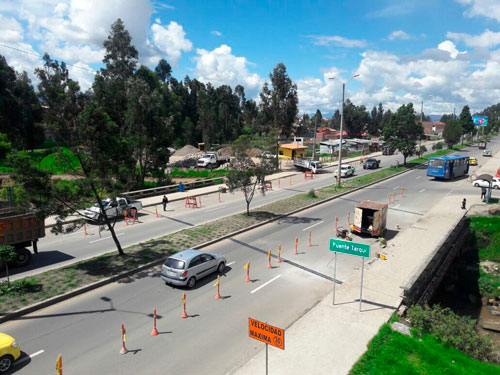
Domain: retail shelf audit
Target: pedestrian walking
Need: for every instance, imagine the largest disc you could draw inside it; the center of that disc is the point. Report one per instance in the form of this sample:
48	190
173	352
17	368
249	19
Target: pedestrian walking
164	202
464	203
483	193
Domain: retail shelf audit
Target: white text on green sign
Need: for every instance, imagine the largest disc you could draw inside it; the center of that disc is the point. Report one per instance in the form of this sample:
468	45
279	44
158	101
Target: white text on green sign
351	248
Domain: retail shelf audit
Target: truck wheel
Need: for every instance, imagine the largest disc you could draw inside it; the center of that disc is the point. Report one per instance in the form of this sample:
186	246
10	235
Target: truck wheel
23	257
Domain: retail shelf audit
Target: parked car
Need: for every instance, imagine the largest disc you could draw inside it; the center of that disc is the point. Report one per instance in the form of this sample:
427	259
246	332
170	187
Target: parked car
188	266
487	153
495	183
345	171
371	163
387	151
472	160
113	207
10	351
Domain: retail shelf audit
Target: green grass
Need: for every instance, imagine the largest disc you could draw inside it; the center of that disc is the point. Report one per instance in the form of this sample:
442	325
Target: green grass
487	234
391	353
57	165
206	173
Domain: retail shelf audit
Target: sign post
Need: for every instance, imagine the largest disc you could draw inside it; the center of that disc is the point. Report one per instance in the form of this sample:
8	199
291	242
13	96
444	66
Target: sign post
350	248
268	334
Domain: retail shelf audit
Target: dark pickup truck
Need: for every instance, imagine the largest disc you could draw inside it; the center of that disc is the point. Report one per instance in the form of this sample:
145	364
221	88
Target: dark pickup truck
371	163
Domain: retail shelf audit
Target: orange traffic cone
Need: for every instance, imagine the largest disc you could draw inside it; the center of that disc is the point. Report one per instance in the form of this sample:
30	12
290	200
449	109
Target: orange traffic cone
124	349
296	244
217	284
309	243
85	230
157	216
247	267
183	299
269	259
154	332
279	254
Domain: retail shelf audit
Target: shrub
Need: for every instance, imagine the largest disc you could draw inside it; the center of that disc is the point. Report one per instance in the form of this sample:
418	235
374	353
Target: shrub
437	146
20	287
312	194
452	329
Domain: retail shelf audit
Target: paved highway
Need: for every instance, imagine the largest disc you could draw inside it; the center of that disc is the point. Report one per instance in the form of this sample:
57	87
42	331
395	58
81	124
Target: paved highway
213	340
58	250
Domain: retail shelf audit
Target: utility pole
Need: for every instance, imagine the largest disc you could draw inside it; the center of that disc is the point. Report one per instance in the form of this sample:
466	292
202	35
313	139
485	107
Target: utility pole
421	123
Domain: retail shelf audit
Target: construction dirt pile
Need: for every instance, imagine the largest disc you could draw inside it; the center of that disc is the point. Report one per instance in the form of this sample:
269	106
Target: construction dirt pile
253	152
185	151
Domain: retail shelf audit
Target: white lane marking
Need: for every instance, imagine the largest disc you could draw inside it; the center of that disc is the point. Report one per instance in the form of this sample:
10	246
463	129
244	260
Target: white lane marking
37	353
105	238
451	191
418	177
263	285
421	191
396	188
73	233
396	206
230	264
303	230
216	208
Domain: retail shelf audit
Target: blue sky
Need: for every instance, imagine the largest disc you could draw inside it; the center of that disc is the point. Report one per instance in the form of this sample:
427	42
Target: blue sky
445	53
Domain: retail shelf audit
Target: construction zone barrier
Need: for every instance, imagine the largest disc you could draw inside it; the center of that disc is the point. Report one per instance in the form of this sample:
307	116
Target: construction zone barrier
295	252
59	369
131	216
309	243
85	230
308	174
191	202
279	254
199	205
268	185
402	191
269	259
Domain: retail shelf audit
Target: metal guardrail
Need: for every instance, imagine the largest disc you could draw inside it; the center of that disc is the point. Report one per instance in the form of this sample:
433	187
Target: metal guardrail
151	192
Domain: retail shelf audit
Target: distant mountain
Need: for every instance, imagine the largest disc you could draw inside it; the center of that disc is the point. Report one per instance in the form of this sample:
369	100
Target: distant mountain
435	117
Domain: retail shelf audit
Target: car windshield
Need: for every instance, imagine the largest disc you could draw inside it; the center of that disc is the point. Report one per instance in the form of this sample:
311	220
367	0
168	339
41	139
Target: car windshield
175	263
206	156
370	160
104	203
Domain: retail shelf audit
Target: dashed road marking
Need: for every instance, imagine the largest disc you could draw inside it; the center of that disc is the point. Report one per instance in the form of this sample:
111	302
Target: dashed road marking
216	208
421	191
418	177
105	238
266	283
396	206
30	356
230	264
303	230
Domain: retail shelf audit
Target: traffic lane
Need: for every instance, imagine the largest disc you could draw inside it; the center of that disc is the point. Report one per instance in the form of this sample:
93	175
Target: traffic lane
91	329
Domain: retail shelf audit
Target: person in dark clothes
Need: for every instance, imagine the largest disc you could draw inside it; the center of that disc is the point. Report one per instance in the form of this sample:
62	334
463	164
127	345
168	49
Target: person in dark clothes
483	193
164	202
464	203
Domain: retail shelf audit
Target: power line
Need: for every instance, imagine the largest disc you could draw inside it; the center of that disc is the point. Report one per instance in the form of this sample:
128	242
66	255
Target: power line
36	54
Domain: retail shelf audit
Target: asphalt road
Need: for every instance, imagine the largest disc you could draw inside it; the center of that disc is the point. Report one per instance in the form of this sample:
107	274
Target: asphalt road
59	250
214	339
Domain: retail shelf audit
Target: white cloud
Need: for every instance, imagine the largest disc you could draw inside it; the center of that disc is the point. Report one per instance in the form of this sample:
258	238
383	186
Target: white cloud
482	8
335	40
487	39
221	67
216	33
171	40
399	34
83	74
442	83
11	31
449	47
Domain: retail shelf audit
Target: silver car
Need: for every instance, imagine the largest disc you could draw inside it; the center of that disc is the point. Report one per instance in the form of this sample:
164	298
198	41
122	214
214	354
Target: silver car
189	266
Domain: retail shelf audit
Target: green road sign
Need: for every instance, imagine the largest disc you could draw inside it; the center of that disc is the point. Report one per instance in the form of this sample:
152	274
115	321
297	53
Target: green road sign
351	248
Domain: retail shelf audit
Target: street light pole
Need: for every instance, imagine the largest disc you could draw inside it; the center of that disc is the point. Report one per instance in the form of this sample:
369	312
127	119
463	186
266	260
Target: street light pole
340	138
342	127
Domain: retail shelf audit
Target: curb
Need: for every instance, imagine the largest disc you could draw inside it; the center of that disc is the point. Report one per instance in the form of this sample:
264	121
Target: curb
109	280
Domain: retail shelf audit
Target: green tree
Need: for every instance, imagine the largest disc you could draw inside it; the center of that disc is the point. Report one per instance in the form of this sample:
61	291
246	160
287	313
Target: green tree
244	174
335	120
91	137
466	121
283	100
7	254
147	126
452	132
110	84
164	70
5	146
422	150
403	131
356	119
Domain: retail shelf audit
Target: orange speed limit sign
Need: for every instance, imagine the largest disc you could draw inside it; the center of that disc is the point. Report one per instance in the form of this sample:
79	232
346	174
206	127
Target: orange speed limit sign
266	333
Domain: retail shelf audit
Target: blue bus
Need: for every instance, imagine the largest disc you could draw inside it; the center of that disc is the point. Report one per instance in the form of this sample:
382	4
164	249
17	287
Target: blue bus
448	167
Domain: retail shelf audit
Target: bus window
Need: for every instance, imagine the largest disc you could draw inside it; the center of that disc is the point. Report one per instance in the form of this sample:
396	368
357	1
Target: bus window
436	163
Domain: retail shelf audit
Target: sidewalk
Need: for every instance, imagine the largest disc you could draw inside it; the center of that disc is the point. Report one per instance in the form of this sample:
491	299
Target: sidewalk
330	339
